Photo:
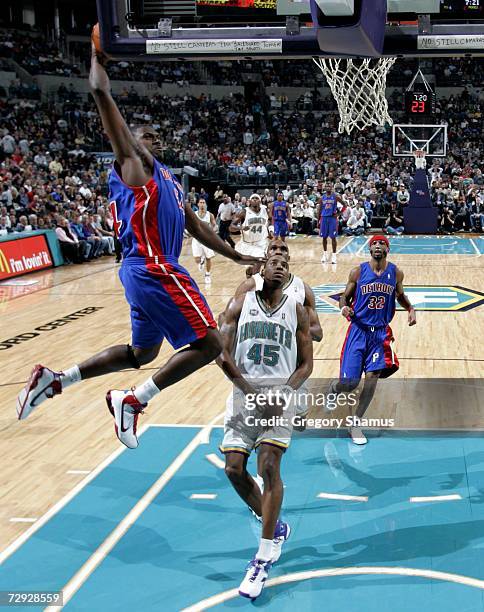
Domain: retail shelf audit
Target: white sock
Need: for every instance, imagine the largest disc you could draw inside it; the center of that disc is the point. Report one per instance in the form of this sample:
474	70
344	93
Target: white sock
146	391
260	481
265	550
70	376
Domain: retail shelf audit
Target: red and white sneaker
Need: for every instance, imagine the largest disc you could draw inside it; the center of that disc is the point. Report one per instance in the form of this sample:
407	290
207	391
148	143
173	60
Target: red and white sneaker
42	384
125	409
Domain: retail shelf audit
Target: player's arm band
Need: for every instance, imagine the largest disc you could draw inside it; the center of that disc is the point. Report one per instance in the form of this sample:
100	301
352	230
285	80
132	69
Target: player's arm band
132	357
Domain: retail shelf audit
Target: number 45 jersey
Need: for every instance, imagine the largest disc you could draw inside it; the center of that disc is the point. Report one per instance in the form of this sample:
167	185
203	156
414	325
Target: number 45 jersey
266	344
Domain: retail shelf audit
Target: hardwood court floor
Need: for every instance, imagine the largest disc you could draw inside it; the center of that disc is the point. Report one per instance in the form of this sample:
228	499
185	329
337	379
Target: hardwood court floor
75	430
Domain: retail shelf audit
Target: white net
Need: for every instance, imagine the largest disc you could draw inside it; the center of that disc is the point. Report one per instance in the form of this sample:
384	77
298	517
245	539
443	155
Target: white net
358	86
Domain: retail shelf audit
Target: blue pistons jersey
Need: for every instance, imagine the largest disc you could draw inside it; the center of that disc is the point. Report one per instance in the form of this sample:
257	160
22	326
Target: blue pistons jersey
149	220
329	205
374	303
279	212
164	300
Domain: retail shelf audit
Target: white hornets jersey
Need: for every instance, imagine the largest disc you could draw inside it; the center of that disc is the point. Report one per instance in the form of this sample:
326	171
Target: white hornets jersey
266	344
205	218
294	287
257	224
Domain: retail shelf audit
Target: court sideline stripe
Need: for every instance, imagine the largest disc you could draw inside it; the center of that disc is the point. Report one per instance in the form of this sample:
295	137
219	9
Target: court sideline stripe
362	246
75	583
471	240
344	245
15	545
215	600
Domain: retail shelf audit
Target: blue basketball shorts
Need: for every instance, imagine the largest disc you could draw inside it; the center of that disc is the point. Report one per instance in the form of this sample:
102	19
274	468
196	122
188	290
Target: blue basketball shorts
280	228
329	227
367	350
165	302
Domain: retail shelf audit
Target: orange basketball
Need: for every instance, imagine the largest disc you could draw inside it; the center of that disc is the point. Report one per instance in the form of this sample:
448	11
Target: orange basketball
96	38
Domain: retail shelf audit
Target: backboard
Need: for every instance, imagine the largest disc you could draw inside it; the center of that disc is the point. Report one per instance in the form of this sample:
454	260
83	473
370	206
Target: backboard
409	138
231	29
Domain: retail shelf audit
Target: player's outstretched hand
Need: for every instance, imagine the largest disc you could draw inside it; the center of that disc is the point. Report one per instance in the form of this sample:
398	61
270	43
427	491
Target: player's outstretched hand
347	312
412	317
248	260
96	49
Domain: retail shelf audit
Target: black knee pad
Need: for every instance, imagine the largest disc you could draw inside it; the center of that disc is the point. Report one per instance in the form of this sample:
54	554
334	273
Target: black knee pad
132	357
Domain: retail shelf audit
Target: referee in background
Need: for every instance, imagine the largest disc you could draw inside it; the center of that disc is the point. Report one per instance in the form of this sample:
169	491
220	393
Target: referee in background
226	212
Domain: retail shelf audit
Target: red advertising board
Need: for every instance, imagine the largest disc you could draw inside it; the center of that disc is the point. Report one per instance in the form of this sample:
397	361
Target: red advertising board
24	255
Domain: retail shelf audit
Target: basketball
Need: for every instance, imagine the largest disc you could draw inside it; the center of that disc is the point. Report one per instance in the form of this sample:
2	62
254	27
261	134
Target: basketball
96	38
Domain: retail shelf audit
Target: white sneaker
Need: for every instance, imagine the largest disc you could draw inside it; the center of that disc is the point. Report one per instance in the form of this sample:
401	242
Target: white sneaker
333	258
358	436
324	257
281	535
125	409
42	384
255	578
208	278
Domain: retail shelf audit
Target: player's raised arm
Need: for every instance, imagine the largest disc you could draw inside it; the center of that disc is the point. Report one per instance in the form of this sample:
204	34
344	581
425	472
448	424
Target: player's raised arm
304	350
205	234
315	328
228	330
346	298
135	161
403	300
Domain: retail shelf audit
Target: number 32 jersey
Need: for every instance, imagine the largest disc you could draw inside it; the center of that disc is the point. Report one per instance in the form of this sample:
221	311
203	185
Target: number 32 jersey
374	303
266	344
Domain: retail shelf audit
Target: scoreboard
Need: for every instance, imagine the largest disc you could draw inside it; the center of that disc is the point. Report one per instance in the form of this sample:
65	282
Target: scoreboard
419	103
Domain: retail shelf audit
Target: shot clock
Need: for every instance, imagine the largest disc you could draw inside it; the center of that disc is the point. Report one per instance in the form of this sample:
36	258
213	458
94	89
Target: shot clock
419	103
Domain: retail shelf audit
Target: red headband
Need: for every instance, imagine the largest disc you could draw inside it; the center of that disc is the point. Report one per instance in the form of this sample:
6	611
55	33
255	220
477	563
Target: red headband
382	238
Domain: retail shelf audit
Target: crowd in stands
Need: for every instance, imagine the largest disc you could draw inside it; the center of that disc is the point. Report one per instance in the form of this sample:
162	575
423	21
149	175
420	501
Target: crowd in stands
36	54
49	177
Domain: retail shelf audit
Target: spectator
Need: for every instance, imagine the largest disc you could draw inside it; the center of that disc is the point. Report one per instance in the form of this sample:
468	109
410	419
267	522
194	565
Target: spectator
447	221
394	223
355	226
68	242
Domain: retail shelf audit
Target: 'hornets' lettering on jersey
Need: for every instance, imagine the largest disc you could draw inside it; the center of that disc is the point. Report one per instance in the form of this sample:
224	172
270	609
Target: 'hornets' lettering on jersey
264	330
377	288
256	221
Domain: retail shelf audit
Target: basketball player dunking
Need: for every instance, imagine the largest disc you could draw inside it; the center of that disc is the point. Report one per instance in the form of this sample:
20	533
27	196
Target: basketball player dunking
280	214
328	223
148	208
266	343
368	302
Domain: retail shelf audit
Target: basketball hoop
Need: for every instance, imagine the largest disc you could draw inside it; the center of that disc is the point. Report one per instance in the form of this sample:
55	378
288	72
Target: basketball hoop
358	86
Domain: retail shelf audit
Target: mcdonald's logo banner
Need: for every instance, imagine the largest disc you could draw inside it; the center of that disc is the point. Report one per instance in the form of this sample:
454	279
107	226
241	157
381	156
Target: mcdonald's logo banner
24	255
